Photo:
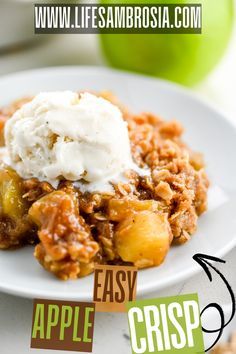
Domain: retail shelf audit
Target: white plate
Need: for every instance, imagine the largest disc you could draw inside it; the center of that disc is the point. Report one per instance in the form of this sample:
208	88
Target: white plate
206	130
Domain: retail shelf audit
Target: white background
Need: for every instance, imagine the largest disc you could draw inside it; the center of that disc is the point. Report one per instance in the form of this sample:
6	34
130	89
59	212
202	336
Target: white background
111	330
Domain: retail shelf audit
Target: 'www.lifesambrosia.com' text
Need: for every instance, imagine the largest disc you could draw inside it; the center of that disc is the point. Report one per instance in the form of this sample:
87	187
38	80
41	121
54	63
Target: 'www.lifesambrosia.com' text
172	18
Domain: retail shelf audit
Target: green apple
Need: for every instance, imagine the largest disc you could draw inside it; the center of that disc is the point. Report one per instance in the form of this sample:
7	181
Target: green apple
184	58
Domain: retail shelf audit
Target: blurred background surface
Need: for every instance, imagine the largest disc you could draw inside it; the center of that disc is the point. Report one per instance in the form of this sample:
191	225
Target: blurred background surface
20	50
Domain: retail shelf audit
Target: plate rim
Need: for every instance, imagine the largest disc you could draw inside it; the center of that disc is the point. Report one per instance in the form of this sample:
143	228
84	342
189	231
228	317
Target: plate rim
187	91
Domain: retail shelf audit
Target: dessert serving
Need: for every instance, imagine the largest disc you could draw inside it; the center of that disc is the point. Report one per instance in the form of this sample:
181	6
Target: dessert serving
86	182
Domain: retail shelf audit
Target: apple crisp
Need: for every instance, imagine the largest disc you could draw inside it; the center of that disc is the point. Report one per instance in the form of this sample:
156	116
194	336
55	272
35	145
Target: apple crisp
226	348
135	223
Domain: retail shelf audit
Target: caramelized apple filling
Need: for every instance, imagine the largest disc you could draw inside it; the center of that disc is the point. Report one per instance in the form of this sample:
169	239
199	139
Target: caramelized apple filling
66	246
16	227
136	223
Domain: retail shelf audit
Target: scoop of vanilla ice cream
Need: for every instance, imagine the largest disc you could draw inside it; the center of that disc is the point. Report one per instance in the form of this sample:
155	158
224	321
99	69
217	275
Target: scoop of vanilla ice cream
62	135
